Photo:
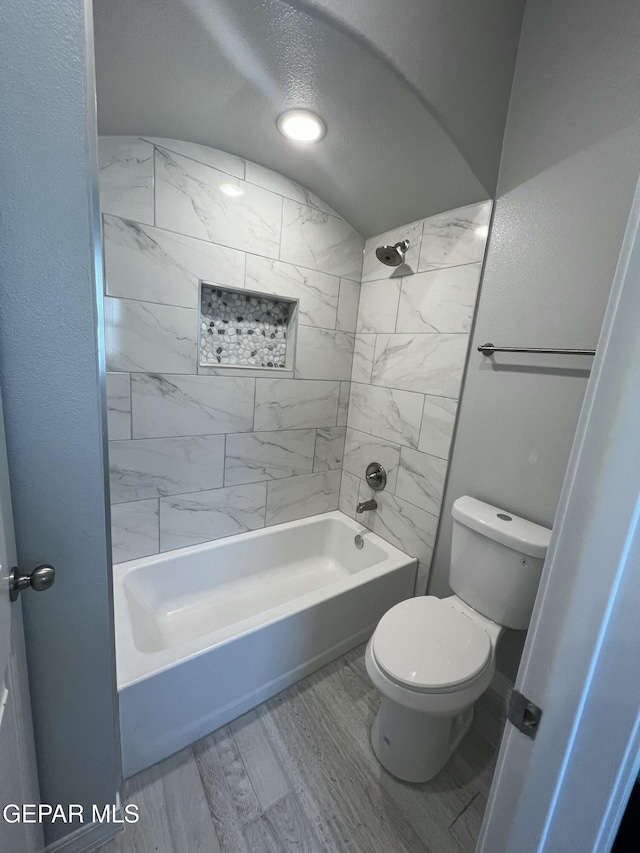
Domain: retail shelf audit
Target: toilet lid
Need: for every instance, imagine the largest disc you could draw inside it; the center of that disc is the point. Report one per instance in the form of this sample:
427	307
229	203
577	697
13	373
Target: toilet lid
428	645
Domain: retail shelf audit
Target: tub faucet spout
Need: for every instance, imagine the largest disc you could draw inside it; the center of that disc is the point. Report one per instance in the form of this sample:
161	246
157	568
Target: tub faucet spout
363	506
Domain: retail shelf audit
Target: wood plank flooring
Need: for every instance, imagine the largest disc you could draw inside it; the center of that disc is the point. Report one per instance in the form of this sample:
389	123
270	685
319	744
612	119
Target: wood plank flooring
298	774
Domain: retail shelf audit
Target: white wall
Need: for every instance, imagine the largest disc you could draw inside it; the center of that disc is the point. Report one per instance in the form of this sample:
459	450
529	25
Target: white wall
568	172
568	789
413	333
195	456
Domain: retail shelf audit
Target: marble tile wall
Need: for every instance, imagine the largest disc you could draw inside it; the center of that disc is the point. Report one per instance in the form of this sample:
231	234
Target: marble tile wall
195	456
411	341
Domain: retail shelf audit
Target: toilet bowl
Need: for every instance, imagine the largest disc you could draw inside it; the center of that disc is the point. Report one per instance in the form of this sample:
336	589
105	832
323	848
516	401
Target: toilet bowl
431	659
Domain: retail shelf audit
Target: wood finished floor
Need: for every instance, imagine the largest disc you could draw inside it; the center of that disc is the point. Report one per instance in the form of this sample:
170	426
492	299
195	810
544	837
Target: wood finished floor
298	774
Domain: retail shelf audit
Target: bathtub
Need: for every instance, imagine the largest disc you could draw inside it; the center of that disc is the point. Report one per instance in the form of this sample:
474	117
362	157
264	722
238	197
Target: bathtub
207	632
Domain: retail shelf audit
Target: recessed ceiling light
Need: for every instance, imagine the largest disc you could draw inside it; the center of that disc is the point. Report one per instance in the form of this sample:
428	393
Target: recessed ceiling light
232	190
301	126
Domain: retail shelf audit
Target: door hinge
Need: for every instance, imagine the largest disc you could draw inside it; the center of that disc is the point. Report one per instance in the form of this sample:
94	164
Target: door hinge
523	714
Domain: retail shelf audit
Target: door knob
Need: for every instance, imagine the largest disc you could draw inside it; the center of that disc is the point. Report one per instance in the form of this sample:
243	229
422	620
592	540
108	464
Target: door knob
41	578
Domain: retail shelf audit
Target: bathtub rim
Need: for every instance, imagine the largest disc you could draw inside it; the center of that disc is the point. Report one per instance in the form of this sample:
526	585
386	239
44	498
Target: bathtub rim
134	665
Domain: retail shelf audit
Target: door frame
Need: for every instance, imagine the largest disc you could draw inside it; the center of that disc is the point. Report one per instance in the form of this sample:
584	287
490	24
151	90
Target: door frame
52	372
568	788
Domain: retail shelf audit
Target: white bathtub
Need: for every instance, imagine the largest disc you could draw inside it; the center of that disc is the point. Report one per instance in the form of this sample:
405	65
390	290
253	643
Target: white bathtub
205	633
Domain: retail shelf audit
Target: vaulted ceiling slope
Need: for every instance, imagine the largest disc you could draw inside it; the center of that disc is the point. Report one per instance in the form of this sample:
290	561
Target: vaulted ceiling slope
219	72
459	55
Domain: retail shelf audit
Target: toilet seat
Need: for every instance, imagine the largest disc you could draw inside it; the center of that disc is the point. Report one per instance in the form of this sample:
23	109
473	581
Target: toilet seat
426	645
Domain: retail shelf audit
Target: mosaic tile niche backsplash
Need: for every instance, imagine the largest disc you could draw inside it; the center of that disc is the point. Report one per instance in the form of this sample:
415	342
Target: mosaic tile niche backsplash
240	329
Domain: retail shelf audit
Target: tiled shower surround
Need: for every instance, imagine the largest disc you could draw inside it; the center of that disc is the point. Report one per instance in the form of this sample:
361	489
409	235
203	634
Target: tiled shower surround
195	455
411	344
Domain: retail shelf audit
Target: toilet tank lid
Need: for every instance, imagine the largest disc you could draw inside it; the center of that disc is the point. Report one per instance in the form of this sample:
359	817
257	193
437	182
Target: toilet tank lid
502	526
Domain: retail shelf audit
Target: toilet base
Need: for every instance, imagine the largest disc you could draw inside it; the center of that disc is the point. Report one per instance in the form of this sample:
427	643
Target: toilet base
415	746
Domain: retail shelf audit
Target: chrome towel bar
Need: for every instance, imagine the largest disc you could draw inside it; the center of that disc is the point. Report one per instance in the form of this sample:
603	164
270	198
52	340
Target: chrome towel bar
489	349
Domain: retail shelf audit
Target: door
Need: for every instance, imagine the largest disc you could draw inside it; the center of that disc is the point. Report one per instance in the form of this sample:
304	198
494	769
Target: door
566	790
18	777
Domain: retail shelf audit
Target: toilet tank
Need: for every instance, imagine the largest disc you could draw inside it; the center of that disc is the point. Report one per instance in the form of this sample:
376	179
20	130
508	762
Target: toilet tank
496	561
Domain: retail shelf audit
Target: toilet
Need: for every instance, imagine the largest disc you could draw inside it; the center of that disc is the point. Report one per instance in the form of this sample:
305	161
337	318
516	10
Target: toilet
432	658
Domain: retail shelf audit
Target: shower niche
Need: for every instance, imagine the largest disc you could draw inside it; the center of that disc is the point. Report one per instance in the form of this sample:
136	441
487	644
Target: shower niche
246	330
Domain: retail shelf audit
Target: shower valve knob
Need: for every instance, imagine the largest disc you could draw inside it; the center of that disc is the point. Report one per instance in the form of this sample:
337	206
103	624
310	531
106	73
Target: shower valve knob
376	476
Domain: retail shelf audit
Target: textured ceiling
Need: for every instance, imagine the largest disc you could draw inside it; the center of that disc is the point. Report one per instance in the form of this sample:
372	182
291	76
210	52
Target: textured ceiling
218	72
458	55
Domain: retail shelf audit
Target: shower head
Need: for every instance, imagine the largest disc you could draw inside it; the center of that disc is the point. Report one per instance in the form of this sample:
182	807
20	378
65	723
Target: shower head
392	256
